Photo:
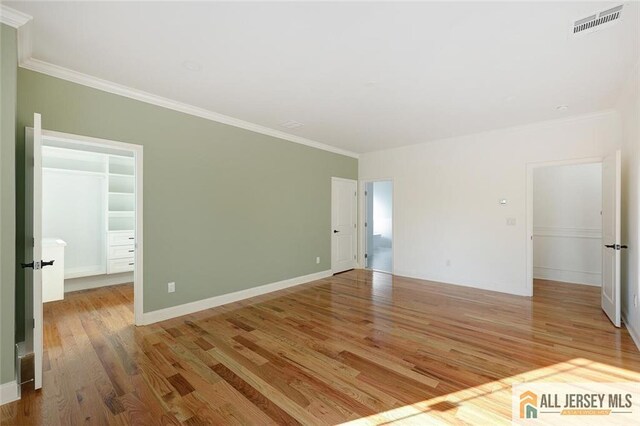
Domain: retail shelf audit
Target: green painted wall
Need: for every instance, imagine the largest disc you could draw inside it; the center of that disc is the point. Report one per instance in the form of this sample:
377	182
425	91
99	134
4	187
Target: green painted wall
225	209
8	71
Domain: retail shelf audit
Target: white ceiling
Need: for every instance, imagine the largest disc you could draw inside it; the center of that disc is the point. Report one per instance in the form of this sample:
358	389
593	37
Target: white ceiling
359	76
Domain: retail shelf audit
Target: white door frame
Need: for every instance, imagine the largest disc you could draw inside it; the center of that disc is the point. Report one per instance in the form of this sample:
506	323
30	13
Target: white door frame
138	286
529	208
362	218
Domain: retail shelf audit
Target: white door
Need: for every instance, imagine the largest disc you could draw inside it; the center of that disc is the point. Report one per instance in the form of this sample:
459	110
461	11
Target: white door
344	206
33	253
611	193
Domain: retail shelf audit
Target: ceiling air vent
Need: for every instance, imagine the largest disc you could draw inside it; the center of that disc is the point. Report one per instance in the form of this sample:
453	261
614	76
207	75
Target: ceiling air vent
597	21
291	124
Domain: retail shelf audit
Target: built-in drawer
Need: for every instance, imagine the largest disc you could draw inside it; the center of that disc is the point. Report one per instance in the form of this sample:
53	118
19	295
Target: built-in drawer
115	266
120	252
121	238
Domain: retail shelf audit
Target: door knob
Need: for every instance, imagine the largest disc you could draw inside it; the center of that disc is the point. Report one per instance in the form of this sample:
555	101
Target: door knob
335	231
616	246
37	265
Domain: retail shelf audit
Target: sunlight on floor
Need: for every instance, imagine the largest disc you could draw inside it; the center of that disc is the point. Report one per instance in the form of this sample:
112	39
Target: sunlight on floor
490	403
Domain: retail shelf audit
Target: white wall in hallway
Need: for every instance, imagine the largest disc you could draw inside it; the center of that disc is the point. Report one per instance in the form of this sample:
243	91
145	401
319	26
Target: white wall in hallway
382	212
449	224
629	108
567	225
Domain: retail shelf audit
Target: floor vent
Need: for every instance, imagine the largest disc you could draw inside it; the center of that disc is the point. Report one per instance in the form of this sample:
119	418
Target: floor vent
597	21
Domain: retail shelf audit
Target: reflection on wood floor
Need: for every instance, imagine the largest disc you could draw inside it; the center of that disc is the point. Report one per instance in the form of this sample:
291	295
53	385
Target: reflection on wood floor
359	346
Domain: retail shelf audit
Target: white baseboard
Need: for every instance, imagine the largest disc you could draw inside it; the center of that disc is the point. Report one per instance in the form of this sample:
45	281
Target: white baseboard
201	305
9	392
565	276
440	280
635	335
96	281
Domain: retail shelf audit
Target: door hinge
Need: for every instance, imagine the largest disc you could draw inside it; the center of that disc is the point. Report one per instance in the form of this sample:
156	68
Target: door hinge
33	242
366	193
354	257
365	224
366	256
33	323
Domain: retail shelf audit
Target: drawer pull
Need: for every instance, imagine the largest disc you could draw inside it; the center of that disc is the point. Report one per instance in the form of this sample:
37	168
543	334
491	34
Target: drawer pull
131	264
131	238
130	251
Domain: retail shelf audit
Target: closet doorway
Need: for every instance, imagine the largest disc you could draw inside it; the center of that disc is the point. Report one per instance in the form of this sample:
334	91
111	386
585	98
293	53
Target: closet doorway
378	226
85	221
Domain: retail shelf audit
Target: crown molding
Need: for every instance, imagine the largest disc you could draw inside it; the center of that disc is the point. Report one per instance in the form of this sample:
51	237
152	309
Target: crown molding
139	95
13	18
23	23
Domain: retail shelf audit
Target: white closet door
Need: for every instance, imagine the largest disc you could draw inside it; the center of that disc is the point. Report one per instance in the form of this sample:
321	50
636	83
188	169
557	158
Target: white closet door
74	209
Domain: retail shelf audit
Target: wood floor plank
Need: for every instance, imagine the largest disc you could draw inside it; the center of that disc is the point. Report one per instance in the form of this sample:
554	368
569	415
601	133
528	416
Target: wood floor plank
359	347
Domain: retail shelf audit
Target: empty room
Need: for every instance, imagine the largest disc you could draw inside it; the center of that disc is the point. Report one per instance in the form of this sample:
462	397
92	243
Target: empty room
319	213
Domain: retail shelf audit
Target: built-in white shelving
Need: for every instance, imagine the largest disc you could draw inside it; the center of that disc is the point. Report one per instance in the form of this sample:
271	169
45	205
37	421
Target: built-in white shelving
107	181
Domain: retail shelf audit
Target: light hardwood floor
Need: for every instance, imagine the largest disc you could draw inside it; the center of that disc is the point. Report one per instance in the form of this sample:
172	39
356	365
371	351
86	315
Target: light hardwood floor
360	346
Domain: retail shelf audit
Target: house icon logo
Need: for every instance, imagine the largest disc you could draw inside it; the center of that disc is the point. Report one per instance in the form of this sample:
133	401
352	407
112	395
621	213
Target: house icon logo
528	405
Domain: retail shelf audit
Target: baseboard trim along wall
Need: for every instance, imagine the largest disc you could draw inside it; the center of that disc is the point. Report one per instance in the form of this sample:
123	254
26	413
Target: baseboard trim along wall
9	392
95	281
635	335
516	291
223	299
566	276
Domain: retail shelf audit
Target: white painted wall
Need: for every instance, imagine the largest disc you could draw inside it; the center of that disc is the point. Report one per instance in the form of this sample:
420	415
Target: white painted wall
382	212
73	210
629	109
447	192
567	225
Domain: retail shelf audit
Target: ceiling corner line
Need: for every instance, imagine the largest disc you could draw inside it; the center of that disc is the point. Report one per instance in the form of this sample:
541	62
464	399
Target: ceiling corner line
77	77
12	17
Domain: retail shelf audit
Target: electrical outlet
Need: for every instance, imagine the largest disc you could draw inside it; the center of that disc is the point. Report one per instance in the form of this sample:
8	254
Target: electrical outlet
318	259
171	287
511	221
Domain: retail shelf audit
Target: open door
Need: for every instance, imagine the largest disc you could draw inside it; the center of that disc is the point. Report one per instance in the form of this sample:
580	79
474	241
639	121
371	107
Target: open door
611	206
344	208
33	252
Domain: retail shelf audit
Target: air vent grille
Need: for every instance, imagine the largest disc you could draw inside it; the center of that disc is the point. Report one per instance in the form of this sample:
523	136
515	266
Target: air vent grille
291	124
597	21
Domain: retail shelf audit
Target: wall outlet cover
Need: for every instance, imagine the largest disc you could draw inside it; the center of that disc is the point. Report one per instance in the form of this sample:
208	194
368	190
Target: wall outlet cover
171	287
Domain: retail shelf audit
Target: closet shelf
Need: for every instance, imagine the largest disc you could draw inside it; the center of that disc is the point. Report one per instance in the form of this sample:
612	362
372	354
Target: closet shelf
121	175
121	193
121	213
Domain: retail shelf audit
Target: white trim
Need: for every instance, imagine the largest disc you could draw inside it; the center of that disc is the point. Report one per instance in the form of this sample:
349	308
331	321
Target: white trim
529	210
138	282
223	299
9	392
562	232
589	278
139	95
362	218
635	335
97	281
13	18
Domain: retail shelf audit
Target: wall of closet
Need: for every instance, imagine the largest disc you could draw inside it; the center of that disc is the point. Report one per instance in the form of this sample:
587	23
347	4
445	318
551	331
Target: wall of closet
89	202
